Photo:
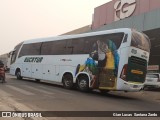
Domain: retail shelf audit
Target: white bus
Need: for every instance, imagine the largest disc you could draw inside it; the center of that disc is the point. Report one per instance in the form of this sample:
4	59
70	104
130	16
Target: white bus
105	60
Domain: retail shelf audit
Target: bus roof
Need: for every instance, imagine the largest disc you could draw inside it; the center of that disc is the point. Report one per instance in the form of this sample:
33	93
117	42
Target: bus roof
76	35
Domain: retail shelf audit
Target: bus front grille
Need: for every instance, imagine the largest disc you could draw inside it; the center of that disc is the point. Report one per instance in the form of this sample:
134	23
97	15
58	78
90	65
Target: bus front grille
138	61
136	70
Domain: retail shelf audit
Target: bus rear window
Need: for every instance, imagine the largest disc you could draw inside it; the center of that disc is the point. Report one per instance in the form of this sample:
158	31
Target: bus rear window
140	40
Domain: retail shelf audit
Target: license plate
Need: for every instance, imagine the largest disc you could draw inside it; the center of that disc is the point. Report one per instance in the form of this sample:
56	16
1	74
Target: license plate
149	80
135	86
137	72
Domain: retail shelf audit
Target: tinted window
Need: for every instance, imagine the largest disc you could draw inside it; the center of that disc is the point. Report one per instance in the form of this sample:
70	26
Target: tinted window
15	52
80	45
125	38
54	48
75	46
30	49
116	38
86	44
83	45
140	40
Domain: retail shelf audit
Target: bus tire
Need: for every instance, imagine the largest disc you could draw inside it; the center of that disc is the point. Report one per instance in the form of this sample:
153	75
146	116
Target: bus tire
68	81
18	74
83	83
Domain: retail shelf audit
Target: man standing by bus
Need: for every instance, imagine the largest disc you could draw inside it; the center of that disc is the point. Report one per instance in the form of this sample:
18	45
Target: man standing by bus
2	72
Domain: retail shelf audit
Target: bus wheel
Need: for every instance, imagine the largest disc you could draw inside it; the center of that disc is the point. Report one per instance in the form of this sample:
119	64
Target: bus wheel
18	74
68	81
104	91
83	83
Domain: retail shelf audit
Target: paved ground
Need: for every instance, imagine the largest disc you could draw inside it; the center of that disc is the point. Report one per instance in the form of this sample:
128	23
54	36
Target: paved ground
26	95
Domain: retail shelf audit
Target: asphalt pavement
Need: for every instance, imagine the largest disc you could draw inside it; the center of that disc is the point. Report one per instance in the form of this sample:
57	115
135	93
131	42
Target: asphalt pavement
20	95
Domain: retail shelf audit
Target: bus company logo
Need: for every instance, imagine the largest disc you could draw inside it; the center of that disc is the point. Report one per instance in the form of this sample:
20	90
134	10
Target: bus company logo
144	53
65	60
33	59
144	56
124	9
134	51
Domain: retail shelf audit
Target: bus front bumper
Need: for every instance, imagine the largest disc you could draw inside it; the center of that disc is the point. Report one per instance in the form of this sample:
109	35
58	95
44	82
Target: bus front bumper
130	87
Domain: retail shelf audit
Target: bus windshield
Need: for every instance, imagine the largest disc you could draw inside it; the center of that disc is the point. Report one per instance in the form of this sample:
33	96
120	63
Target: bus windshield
140	40
15	52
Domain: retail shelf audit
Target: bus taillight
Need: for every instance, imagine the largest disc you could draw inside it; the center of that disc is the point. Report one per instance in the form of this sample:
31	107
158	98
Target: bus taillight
124	72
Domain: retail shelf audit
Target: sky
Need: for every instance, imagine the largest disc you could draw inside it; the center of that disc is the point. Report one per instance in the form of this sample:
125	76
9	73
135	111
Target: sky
28	19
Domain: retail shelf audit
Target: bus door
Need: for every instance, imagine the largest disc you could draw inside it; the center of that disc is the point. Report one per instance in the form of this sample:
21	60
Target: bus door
107	79
109	65
105	71
108	70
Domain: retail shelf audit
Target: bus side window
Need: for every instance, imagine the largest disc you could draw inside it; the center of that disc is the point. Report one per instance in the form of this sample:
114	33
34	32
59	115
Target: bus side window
88	44
86	48
116	38
46	48
15	53
69	47
59	47
13	58
75	46
30	49
125	38
54	48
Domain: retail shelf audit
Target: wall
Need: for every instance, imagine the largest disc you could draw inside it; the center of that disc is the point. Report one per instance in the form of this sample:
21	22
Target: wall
142	22
105	14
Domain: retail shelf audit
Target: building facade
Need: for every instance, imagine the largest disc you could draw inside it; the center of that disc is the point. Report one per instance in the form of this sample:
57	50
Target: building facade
142	15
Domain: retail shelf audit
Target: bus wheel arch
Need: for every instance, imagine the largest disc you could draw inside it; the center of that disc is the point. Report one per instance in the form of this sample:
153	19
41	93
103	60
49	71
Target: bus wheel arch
83	82
67	80
18	74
